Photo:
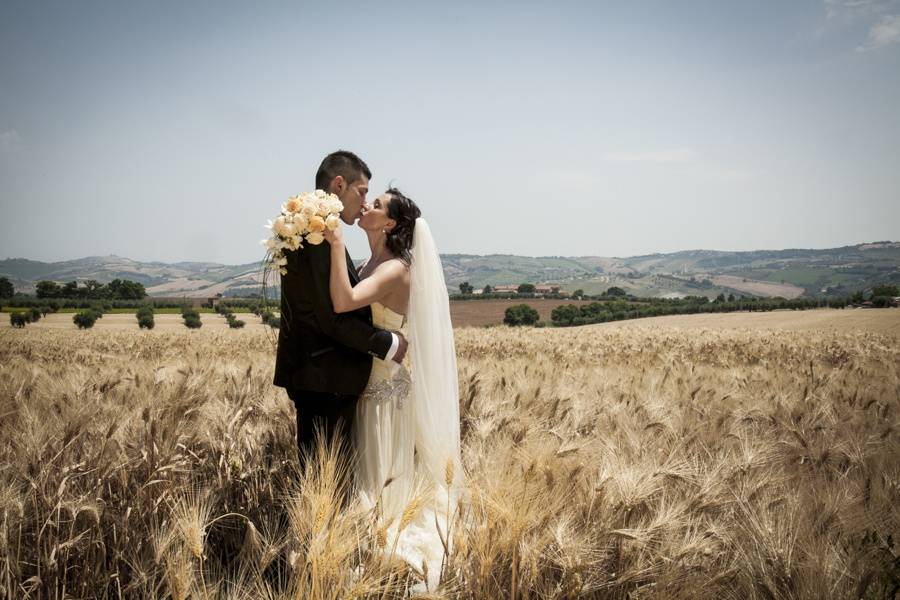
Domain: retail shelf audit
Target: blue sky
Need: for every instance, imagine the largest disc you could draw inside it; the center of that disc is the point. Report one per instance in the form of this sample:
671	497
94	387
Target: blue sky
173	130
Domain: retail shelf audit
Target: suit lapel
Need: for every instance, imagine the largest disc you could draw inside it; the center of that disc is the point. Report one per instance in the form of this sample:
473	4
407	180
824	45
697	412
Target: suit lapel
351	270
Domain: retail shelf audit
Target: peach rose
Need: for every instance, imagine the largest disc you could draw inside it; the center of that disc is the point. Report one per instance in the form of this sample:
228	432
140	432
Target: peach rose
293	204
315	238
316	224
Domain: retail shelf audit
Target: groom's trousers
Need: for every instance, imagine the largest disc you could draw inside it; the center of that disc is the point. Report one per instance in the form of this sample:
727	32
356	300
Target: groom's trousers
330	413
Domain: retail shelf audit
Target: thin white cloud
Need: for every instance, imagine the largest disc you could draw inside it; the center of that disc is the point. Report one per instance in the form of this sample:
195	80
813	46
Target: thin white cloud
848	9
883	33
10	140
880	15
677	155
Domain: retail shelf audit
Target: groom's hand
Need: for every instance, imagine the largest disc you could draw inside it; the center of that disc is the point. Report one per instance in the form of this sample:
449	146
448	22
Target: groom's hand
401	349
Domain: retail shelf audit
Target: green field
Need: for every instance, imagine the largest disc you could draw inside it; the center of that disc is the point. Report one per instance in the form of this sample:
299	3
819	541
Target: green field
807	276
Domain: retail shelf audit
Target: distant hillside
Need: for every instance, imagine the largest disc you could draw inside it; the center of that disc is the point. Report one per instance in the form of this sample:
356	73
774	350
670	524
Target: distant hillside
192	279
789	273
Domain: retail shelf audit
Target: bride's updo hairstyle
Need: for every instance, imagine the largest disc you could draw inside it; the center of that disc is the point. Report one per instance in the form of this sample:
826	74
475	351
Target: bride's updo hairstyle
405	212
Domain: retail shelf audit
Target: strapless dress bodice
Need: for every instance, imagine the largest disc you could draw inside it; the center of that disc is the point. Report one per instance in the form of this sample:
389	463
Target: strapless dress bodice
384	318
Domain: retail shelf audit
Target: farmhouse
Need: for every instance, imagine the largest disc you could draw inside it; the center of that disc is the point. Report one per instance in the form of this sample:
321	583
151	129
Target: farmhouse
505	289
539	290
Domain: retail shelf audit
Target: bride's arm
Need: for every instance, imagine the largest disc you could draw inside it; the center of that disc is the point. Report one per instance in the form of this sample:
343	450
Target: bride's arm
374	288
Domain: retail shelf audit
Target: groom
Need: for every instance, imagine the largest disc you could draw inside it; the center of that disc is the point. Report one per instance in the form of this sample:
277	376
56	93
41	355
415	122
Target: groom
323	358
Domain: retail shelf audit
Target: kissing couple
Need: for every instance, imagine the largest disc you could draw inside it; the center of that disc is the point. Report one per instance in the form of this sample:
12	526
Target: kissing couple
368	358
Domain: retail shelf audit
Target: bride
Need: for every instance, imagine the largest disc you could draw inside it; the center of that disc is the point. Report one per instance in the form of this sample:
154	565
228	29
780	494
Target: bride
406	429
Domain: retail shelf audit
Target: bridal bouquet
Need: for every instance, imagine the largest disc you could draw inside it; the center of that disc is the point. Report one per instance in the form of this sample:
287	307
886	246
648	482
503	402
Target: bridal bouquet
302	218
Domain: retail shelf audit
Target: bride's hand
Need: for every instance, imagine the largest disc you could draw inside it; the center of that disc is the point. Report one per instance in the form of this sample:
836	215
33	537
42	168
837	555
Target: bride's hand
336	236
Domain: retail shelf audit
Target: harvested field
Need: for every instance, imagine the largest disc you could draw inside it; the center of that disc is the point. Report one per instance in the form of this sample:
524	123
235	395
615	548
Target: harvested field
477	313
848	320
768	289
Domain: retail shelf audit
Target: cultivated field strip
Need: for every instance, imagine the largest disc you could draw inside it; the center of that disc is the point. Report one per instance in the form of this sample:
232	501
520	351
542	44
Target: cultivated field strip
627	462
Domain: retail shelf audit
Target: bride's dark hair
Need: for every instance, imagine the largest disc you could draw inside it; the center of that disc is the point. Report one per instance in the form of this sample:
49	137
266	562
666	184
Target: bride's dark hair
405	212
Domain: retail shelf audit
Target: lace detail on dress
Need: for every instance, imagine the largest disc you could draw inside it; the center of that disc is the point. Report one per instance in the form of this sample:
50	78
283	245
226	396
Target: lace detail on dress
394	389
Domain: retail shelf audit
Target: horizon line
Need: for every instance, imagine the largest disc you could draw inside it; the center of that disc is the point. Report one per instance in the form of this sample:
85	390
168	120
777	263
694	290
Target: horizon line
113	255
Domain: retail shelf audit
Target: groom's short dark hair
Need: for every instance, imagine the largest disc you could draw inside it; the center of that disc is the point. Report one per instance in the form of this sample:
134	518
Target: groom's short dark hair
343	163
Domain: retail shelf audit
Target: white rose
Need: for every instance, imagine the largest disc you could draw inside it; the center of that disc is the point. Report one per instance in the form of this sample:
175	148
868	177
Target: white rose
300	222
332	222
288	230
321	193
315	238
278	225
322	208
308	210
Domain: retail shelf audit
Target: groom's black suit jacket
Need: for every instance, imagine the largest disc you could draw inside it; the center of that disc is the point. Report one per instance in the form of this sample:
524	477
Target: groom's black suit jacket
318	350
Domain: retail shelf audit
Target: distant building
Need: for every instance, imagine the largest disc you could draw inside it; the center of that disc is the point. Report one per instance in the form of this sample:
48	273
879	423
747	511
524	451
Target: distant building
539	290
550	290
505	289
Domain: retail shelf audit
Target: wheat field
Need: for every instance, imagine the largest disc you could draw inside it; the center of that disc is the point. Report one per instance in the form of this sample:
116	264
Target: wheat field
627	462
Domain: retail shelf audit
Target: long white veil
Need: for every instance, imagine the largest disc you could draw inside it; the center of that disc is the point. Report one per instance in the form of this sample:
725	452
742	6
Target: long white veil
435	383
419	444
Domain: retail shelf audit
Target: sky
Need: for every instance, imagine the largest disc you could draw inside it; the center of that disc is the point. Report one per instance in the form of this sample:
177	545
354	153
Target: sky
173	130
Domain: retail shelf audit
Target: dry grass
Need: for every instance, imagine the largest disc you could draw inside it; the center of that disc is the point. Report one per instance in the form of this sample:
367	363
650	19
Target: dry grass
601	462
820	320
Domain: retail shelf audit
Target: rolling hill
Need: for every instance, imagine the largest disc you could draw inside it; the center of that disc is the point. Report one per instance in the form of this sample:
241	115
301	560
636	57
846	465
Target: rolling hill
788	273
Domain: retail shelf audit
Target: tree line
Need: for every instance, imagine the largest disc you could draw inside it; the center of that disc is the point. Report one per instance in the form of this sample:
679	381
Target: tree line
527	290
617	308
117	289
569	315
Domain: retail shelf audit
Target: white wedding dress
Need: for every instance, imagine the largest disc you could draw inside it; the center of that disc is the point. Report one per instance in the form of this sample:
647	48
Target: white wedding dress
386	474
383	429
406	429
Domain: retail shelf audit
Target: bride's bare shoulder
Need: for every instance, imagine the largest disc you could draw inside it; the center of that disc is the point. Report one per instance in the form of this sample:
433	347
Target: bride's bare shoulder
394	268
395	264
